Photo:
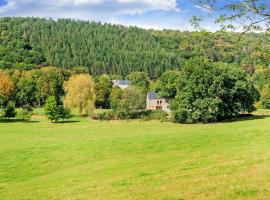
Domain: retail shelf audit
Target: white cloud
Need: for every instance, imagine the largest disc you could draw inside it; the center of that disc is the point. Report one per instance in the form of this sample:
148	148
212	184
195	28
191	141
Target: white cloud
204	8
86	7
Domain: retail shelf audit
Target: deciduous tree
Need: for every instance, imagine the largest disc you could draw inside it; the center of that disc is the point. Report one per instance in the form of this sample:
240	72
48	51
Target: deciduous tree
6	87
208	92
80	94
140	80
103	88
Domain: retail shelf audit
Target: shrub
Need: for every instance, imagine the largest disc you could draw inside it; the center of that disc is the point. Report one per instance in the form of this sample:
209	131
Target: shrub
144	114
54	111
105	116
10	110
24	114
180	116
158	115
2	113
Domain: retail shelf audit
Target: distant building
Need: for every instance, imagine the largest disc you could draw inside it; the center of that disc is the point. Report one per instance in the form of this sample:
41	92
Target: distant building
154	102
123	84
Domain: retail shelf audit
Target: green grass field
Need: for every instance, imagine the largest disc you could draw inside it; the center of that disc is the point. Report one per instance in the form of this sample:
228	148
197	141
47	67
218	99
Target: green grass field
87	159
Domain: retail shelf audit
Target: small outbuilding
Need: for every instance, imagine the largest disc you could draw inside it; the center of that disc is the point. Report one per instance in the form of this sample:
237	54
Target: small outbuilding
155	102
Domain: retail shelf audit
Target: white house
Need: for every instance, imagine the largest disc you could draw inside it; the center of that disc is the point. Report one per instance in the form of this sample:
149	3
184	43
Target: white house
123	84
154	102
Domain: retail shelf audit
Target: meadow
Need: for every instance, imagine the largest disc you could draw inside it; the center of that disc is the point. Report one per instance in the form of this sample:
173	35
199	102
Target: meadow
85	159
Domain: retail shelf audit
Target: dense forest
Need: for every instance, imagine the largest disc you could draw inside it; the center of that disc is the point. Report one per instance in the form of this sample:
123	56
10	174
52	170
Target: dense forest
29	43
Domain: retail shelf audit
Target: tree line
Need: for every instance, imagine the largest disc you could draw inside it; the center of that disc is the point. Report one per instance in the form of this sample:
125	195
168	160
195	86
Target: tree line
29	43
201	91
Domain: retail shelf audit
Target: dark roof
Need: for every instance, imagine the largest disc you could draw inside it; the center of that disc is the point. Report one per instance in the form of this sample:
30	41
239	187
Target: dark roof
120	82
153	96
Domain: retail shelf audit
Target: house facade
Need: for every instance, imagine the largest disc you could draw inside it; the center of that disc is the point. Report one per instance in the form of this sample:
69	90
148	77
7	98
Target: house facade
123	84
154	102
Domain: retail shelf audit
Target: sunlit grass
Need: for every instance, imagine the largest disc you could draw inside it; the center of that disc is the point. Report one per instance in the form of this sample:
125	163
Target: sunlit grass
87	159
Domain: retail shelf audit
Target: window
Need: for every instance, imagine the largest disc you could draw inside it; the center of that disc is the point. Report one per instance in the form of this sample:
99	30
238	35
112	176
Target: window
159	108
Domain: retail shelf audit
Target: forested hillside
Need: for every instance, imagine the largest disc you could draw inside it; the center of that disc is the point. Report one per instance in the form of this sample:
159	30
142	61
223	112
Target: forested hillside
27	43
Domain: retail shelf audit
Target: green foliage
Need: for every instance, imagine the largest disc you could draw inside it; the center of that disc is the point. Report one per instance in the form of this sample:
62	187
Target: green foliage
54	111
158	115
132	100
105	116
140	80
10	110
209	92
247	15
111	49
64	113
261	79
167	84
26	91
49	82
24	114
265	97
33	87
138	114
103	88
115	96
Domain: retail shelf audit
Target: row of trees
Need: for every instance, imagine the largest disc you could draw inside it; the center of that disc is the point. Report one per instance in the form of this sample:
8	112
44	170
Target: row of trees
202	91
76	90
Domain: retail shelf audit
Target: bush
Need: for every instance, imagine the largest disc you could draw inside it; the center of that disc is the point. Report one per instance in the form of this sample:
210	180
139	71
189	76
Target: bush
158	115
24	114
145	115
10	110
180	116
2	113
105	116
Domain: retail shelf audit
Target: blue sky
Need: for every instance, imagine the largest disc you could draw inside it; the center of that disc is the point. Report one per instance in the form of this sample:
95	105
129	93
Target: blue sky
156	14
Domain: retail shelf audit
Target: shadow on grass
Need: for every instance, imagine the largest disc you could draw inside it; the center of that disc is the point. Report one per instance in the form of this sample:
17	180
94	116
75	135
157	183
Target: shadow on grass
246	117
68	122
12	120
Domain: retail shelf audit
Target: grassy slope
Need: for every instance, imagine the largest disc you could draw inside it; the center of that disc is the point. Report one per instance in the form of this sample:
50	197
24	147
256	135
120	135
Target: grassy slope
134	160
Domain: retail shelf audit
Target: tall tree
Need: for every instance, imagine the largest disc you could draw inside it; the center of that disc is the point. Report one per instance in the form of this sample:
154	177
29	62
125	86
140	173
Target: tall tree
140	80
115	97
6	87
132	100
80	94
208	92
103	88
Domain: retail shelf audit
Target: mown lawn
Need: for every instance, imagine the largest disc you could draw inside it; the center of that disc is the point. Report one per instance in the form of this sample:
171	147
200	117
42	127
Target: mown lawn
87	159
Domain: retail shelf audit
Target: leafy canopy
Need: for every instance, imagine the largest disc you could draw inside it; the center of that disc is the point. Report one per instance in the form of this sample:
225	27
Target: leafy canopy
208	92
80	94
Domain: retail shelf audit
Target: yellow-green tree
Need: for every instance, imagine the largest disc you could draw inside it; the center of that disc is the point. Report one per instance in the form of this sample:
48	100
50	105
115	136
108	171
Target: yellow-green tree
265	97
80	94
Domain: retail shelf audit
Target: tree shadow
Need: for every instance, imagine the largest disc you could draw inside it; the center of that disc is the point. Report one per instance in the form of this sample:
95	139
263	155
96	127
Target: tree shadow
68	122
14	120
246	117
